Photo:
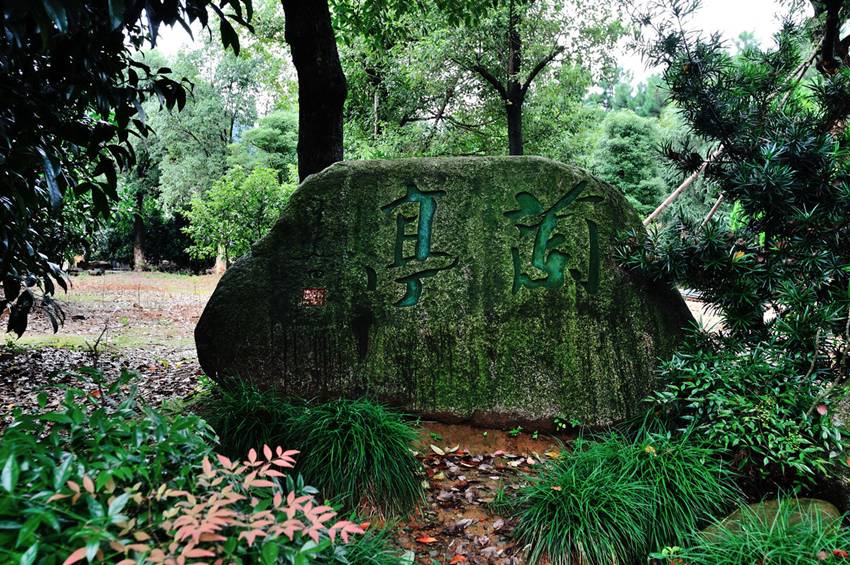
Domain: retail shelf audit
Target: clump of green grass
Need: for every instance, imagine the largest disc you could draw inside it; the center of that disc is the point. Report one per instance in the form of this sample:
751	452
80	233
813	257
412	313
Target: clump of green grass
690	485
375	547
357	451
792	534
246	417
353	451
615	500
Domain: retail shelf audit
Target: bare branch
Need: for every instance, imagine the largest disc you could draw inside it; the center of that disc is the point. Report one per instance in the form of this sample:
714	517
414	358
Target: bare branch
541	64
489	77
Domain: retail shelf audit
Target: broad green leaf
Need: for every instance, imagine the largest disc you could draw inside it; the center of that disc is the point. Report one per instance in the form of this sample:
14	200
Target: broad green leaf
270	553
9	476
28	557
117	505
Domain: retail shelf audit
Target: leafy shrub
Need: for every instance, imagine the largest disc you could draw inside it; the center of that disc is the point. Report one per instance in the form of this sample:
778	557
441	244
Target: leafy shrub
239	209
357	451
794	534
770	418
614	500
112	480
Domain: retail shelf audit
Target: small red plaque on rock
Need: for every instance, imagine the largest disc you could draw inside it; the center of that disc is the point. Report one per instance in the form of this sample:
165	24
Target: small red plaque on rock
314	296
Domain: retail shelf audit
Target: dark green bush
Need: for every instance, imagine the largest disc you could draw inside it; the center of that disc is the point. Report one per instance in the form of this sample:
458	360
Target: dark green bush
354	451
775	421
104	478
246	417
615	500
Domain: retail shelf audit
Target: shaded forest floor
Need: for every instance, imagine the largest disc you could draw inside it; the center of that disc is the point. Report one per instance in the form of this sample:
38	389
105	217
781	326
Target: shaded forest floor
144	322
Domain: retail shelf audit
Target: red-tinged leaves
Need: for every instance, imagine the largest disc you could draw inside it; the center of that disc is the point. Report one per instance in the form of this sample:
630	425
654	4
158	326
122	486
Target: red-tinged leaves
140	547
207	466
74	487
458	558
345	529
57	496
248	479
225	508
197	552
78	555
88	484
251	535
427	540
288	528
225	462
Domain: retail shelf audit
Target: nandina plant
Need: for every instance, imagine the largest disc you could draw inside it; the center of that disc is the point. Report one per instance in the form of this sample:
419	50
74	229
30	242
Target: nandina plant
237	511
105	478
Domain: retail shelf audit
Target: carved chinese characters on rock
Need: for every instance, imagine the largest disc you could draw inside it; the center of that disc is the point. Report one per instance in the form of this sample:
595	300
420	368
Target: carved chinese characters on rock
548	261
413	257
539	259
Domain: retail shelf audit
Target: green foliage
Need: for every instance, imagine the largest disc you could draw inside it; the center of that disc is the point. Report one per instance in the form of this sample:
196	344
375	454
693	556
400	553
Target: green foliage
245	417
105	478
766	389
271	144
628	155
114	447
775	422
192	145
785	164
375	547
72	97
615	499
237	211
794	534
422	79
357	451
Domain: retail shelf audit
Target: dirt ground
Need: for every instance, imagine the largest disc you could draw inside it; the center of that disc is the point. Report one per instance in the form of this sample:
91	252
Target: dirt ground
144	322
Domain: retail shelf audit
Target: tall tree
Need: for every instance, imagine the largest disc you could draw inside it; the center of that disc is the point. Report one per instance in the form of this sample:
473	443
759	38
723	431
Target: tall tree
321	84
515	41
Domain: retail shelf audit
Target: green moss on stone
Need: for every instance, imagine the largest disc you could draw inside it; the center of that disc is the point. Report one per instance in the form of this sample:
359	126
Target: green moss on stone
471	347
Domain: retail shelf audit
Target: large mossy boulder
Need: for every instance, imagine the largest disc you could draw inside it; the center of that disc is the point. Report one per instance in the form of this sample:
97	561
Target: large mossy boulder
481	289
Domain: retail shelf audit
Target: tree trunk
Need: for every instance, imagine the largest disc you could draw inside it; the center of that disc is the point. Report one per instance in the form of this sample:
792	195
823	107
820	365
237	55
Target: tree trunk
515	96
514	112
220	261
321	84
139	233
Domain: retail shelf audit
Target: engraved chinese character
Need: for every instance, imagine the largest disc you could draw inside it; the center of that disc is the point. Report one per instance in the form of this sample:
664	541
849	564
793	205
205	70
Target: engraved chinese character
532	220
423	261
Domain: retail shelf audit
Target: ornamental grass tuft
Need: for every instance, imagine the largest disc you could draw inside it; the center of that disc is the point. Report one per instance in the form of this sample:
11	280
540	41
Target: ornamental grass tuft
358	452
614	500
794	533
245	417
